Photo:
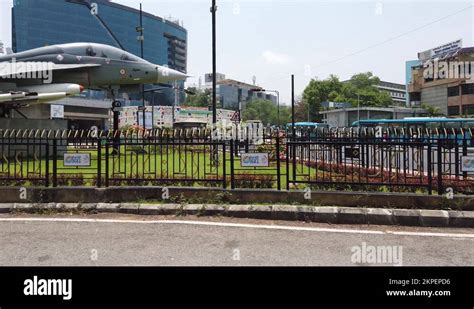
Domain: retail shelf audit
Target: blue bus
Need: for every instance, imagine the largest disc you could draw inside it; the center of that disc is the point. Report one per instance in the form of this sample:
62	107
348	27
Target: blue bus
449	128
418	122
305	129
307	125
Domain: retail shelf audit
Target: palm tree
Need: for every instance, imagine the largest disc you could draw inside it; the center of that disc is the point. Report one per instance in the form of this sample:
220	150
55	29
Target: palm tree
432	110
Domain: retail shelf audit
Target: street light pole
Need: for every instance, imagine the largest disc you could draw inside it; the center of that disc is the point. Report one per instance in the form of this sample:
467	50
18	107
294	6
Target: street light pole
214	64
278	106
293	109
141	39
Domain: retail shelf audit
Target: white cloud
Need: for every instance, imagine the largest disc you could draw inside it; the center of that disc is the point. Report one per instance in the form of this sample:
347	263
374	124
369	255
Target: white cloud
275	58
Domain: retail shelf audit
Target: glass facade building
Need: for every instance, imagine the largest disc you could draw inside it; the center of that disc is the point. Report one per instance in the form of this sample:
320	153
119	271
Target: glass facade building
38	23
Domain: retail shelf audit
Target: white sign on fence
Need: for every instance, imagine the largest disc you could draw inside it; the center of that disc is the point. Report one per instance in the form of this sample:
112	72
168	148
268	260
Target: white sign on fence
467	164
57	111
254	160
77	159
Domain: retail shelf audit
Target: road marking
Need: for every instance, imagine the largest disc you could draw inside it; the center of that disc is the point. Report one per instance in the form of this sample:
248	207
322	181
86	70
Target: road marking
202	223
241	225
452	235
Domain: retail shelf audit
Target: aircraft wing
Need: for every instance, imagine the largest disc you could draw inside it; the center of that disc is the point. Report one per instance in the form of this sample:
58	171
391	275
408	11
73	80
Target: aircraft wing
12	70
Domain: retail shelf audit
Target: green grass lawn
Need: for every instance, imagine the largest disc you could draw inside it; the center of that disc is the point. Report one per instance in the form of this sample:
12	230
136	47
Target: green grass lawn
177	163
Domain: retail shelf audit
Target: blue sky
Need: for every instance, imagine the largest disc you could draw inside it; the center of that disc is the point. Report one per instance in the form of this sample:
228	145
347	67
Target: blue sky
274	39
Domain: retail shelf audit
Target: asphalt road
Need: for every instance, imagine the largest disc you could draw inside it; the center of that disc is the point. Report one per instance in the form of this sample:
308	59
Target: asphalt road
121	241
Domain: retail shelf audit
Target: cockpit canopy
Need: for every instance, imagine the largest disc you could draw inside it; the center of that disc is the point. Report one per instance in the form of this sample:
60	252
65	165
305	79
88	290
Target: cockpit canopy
99	50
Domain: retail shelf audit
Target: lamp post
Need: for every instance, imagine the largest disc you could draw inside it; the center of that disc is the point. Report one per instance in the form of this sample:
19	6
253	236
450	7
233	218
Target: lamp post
214	63
141	39
215	150
293	119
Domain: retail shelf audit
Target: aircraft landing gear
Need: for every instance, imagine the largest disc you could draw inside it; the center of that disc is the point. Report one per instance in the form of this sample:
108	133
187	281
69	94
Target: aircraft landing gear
115	124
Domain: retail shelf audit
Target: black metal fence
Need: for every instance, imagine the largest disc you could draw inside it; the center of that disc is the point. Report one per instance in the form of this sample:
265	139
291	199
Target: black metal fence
345	159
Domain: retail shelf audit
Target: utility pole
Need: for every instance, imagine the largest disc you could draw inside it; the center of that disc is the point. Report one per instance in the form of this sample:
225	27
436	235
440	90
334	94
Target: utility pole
278	106
293	137
293	106
215	150
214	64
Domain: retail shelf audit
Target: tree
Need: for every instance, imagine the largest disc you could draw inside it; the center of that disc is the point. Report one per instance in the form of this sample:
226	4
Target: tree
285	115
301	110
266	111
364	84
364	80
319	91
432	110
331	89
199	98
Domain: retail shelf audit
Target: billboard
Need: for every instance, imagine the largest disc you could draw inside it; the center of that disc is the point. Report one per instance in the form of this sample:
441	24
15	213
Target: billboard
440	51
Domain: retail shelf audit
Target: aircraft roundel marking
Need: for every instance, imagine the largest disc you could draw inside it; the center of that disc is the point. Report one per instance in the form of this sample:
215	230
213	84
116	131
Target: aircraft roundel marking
123	72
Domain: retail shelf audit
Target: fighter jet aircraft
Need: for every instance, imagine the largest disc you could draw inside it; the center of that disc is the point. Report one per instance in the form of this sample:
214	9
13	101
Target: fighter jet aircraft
54	72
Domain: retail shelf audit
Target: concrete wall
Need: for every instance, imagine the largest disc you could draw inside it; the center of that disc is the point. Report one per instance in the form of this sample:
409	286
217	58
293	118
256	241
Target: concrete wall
436	96
46	124
40	111
338	119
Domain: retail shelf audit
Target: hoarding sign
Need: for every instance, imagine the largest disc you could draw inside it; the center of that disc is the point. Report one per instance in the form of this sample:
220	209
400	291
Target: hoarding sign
446	48
440	51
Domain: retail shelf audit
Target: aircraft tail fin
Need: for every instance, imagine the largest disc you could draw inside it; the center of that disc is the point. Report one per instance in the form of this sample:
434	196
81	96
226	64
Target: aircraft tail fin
9	51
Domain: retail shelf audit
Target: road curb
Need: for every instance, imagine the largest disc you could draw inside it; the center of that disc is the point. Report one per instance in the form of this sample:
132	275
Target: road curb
191	195
332	215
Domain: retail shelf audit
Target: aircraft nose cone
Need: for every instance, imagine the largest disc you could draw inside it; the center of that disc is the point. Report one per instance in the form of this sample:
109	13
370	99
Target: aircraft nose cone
168	75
